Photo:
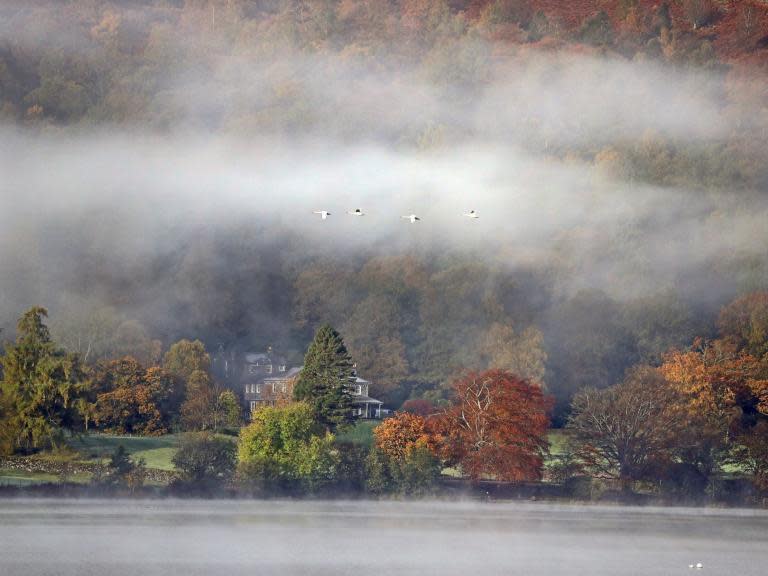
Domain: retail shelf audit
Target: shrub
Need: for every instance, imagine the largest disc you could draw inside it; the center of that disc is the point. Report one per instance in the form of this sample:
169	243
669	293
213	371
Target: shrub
413	473
204	461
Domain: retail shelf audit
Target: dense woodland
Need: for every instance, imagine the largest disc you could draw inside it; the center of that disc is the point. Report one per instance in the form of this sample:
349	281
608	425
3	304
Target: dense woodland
413	314
680	429
646	310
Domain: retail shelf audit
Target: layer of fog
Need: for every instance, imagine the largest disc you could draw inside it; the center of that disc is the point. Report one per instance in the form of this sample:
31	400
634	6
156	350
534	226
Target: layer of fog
173	537
83	206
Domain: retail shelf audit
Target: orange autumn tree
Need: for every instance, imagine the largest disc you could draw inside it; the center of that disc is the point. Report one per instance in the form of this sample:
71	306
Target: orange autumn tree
496	427
724	393
404	459
704	376
718	382
401	433
133	400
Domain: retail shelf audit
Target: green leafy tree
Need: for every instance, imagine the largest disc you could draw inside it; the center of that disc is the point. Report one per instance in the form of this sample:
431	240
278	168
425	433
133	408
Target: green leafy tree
378	479
417	473
41	388
228	412
186	357
413	473
285	450
324	381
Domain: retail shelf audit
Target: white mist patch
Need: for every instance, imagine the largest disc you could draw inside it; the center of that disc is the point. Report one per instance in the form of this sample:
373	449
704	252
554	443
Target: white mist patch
331	538
150	184
265	142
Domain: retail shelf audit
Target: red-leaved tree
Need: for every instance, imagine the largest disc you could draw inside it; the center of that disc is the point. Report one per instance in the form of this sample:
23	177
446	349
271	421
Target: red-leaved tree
496	427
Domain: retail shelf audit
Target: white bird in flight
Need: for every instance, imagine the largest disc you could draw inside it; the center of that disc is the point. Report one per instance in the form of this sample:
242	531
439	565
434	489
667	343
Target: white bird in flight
412	217
472	214
323	213
356	212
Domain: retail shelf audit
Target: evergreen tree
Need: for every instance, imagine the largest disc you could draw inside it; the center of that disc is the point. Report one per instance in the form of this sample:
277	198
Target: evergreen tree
324	381
120	464
42	387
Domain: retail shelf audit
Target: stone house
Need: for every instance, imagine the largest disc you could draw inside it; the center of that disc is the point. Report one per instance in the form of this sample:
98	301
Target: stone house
266	378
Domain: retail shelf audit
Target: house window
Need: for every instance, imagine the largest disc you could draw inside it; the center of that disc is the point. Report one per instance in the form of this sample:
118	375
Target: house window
281	368
253	369
283	388
253	405
358	390
258	388
268	368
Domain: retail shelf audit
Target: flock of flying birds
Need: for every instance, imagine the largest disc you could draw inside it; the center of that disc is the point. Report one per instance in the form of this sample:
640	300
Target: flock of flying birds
410	217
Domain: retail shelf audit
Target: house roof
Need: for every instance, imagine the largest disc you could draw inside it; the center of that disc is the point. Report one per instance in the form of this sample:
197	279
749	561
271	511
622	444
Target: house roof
365	400
255	357
283	375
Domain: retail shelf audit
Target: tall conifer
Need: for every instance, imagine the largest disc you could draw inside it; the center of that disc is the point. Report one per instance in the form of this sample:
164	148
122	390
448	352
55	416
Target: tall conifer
324	381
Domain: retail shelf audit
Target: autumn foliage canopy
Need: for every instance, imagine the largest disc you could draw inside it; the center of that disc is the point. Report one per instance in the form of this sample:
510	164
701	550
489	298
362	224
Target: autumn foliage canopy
496	427
401	433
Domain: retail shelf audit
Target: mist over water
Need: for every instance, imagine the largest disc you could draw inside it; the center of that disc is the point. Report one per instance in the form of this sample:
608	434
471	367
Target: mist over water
70	537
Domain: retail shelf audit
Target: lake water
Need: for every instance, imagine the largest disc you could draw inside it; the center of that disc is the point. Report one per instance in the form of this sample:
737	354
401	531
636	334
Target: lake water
230	538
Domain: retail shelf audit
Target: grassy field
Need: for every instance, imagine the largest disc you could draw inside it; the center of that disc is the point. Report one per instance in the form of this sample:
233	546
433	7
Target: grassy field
157	451
22	478
557	442
25	478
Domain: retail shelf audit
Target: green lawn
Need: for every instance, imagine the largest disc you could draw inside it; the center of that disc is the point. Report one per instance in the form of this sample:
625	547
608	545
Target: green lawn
24	478
557	442
157	451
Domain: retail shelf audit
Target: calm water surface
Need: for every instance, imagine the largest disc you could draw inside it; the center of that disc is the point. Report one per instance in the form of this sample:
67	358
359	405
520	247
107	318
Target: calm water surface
83	538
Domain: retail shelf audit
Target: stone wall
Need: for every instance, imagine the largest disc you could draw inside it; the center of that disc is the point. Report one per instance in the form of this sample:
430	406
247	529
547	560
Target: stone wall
68	469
